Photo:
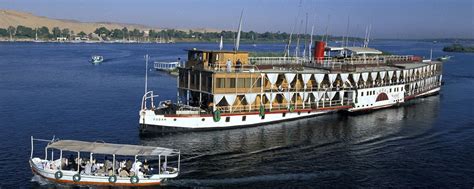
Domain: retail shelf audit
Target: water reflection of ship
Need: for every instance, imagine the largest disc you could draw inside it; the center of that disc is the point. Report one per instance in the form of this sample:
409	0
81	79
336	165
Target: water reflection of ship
258	150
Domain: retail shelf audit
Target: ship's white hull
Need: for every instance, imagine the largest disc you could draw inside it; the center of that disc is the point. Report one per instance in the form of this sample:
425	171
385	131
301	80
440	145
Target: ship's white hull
428	93
368	98
151	122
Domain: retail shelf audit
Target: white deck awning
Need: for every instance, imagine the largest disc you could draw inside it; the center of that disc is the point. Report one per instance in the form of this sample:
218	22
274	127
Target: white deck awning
108	148
364	50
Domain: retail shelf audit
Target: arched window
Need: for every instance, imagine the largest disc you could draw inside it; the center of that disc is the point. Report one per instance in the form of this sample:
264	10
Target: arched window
381	97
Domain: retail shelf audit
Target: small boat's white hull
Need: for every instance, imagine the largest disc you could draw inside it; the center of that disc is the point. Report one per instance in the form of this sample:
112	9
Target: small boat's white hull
67	177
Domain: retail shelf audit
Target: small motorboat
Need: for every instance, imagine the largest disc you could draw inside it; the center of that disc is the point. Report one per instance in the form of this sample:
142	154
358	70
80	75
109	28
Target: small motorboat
166	66
444	58
98	163
97	59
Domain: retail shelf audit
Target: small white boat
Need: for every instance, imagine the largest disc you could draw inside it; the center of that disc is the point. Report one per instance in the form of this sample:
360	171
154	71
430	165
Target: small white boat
166	66
444	58
108	170
97	59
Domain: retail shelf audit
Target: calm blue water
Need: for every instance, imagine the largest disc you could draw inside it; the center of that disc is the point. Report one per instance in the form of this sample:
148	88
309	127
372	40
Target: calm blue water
51	89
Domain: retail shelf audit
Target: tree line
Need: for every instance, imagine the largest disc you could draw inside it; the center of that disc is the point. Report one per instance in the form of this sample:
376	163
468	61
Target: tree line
136	34
458	48
42	32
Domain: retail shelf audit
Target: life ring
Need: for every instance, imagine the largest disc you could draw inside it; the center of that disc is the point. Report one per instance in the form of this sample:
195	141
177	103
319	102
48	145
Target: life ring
217	115
292	108
134	179
76	178
58	175
113	179
261	111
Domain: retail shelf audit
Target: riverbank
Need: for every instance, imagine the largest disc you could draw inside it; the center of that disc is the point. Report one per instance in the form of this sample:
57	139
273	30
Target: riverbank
459	48
144	42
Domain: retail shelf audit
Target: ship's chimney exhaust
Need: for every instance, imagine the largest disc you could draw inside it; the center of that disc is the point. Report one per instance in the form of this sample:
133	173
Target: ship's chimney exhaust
319	52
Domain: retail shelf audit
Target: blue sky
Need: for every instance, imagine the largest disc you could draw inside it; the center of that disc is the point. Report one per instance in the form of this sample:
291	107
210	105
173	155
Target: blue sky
389	18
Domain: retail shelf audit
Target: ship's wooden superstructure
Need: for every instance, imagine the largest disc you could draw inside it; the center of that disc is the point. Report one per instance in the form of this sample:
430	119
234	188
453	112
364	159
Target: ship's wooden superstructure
247	90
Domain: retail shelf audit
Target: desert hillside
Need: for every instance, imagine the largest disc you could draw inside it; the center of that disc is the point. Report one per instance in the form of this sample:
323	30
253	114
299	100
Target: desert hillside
15	18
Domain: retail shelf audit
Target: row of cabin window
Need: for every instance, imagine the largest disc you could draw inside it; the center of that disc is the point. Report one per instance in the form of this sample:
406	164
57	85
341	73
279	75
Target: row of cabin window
373	92
367	93
239	82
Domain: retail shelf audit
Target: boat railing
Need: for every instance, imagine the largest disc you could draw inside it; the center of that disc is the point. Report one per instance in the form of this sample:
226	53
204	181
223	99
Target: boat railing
148	96
277	60
323	103
165	65
332	62
242	68
420	89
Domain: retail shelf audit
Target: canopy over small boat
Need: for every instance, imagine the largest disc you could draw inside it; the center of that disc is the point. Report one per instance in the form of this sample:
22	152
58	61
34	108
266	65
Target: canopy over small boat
108	148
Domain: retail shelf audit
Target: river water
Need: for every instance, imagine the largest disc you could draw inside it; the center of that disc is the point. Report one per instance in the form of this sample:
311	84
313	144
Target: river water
51	90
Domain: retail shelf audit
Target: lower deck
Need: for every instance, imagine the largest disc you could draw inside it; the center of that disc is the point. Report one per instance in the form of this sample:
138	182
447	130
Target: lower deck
149	122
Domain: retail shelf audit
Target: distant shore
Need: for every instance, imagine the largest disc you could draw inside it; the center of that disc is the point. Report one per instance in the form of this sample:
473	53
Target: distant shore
459	48
127	42
185	40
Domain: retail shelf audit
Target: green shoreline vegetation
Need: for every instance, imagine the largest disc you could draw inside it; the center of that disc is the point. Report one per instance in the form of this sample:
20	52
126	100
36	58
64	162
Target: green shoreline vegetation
102	34
459	48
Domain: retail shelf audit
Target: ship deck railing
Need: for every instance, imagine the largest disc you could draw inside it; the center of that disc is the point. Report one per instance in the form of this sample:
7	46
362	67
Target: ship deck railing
348	64
322	104
421	89
332	62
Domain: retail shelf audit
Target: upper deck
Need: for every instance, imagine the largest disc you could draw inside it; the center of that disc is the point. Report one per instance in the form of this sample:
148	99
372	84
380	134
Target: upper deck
228	62
209	75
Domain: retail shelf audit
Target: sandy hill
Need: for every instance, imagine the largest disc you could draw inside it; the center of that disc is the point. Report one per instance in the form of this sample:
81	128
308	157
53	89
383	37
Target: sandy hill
15	18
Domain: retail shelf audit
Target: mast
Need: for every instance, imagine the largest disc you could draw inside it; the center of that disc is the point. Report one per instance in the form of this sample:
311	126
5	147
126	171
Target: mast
36	34
345	43
347	32
354	40
368	36
305	39
297	49
253	40
146	73
431	54
237	42
11	34
287	50
327	30
365	37
221	44
310	42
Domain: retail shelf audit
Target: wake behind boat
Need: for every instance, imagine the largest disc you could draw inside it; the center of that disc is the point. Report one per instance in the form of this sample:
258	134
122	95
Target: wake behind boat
99	163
